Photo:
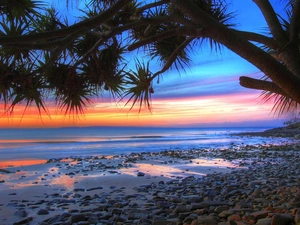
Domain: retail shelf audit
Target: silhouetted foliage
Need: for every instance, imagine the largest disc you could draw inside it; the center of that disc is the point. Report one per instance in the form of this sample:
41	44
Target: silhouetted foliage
44	57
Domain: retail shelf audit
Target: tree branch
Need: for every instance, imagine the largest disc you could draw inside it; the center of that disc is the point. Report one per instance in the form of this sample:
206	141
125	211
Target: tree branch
182	31
57	51
151	39
272	20
264	85
269	42
295	26
86	24
108	33
275	70
90	51
151	5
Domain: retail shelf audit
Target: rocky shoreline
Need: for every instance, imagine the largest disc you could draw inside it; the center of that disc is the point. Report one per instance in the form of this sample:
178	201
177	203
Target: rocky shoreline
263	189
290	131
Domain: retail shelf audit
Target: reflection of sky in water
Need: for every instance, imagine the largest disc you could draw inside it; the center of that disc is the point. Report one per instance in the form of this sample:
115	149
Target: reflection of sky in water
159	170
56	176
25	162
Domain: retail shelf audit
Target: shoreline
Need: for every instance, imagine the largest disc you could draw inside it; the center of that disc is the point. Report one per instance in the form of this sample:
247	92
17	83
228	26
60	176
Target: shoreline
172	186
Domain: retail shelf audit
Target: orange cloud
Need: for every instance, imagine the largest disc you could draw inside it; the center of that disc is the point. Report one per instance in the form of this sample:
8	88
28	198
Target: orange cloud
165	112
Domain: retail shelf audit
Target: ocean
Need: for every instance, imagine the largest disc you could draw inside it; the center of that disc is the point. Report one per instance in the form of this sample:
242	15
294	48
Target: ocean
32	144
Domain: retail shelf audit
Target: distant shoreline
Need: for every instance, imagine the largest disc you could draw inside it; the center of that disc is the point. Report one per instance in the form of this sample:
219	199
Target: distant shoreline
290	131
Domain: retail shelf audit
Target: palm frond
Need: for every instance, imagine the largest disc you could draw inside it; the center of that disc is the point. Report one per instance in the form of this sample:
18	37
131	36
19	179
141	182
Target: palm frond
162	50
282	104
71	90
24	10
49	21
28	91
138	33
14	29
139	85
218	9
102	69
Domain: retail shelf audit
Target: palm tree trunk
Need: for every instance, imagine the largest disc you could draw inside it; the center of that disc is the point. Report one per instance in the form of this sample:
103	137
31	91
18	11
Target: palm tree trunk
277	72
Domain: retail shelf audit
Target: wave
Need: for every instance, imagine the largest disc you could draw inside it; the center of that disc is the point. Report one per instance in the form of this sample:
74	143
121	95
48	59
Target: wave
133	137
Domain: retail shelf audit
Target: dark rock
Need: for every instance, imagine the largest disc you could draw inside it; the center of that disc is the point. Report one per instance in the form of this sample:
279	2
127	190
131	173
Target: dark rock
137	214
77	218
23	221
21	213
42	212
141	174
282	219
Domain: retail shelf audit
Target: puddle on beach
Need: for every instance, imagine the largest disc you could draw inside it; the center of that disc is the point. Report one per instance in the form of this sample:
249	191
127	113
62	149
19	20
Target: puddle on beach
196	167
53	175
19	163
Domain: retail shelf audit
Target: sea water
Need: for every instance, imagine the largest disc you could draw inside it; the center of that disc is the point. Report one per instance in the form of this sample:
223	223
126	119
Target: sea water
22	144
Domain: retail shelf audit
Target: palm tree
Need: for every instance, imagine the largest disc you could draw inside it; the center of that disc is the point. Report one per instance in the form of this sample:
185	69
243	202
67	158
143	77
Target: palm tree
43	57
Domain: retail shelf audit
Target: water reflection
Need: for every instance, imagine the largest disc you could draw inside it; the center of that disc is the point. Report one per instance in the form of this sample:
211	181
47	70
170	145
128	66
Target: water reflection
64	181
68	175
159	170
23	162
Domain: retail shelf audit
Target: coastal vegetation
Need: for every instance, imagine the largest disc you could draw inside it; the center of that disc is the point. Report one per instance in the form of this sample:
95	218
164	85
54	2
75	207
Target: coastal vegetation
46	57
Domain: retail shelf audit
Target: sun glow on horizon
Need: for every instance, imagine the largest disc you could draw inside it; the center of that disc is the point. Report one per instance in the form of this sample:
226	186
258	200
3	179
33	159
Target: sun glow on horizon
183	111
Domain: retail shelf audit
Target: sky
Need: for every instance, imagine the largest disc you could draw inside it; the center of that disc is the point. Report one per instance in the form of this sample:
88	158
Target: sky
207	94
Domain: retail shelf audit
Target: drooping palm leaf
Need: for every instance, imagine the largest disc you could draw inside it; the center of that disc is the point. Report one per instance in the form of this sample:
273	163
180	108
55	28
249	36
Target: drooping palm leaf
282	104
71	90
26	88
102	69
13	29
139	86
24	10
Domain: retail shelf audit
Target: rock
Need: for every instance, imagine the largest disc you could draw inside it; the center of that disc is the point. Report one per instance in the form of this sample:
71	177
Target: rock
220	209
144	221
79	189
42	212
225	214
95	188
163	204
243	223
260	214
234	217
282	219
23	221
297	217
207	220
77	218
179	209
264	221
21	213
164	222
137	214
231	222
141	174
207	203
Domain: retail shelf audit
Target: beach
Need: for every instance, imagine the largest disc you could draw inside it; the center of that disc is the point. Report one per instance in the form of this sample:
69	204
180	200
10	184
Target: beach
240	184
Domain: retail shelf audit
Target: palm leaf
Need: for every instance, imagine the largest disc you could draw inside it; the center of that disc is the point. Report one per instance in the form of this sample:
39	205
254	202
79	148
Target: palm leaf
139	85
24	10
282	104
71	90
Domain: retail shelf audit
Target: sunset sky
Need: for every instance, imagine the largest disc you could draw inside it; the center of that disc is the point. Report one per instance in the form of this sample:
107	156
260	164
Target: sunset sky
207	94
